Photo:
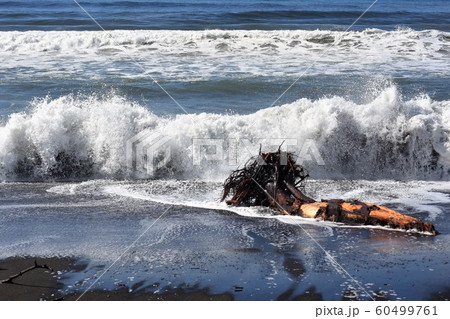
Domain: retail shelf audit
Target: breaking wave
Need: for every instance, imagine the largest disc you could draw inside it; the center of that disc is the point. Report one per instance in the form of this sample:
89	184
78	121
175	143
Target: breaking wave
177	41
85	137
401	49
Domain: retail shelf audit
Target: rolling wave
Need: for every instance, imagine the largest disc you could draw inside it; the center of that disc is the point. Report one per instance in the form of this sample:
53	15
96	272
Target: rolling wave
86	137
405	40
201	55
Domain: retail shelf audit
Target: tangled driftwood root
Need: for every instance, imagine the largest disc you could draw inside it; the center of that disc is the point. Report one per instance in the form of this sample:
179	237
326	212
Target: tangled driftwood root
274	180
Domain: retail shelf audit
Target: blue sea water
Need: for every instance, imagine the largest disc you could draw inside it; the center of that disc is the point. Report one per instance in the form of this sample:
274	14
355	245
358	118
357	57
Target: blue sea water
232	14
370	93
389	66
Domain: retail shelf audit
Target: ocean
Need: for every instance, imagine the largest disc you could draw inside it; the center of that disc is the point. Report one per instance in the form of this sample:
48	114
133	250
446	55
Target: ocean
120	115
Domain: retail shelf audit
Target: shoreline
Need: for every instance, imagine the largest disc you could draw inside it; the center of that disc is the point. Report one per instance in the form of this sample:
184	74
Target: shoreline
44	285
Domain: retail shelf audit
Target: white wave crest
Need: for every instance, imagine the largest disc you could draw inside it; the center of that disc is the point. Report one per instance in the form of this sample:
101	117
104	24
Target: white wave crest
86	137
234	51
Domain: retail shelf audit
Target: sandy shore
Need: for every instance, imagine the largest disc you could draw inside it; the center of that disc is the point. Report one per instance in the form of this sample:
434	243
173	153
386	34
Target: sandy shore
37	284
42	284
45	285
201	254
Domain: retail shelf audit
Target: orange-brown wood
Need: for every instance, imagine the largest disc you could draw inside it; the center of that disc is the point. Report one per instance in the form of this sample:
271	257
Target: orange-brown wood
361	213
310	210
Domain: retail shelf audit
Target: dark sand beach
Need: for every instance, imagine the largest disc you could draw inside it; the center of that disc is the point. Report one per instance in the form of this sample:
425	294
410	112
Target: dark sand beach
37	284
192	253
116	137
43	284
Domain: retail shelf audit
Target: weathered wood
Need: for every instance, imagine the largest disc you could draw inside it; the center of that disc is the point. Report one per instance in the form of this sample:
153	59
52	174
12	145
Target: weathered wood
272	179
298	194
362	214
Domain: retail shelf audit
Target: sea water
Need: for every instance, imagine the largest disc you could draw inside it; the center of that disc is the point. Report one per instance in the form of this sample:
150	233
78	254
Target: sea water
370	98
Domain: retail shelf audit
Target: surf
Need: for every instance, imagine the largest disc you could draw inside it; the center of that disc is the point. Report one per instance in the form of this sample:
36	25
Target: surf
85	137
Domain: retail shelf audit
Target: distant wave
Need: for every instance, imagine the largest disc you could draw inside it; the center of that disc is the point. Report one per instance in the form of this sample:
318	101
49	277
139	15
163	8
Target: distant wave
324	14
212	41
85	137
239	53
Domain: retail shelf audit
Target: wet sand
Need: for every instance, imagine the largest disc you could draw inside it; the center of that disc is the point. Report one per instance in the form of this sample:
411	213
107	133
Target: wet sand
203	254
37	284
44	285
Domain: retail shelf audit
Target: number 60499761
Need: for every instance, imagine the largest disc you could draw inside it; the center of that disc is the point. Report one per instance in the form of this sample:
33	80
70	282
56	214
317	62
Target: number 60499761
406	310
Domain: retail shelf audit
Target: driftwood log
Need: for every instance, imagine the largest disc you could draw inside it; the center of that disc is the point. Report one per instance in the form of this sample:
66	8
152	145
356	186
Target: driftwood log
274	180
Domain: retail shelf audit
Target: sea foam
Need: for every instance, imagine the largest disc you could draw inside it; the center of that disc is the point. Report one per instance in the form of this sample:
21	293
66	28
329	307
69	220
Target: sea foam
77	136
204	53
